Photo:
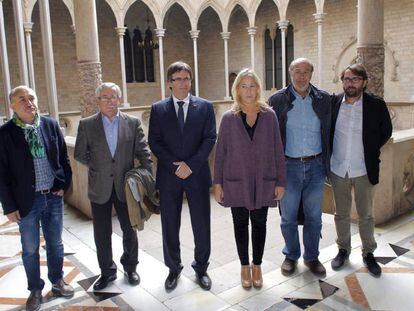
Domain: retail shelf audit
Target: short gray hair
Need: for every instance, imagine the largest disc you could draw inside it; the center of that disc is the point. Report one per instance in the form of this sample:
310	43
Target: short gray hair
22	88
300	60
108	85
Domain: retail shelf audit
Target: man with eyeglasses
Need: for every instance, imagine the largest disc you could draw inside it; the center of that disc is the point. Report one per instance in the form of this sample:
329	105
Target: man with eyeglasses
361	125
182	132
34	174
108	143
304	114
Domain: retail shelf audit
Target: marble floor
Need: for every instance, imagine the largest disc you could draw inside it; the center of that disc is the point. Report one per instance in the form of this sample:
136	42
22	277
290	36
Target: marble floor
351	288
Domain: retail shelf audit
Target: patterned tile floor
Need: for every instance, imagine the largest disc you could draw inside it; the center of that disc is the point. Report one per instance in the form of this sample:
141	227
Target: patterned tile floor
351	288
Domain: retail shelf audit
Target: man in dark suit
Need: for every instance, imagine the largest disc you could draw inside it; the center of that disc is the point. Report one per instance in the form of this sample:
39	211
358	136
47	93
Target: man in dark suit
182	132
108	143
34	173
361	125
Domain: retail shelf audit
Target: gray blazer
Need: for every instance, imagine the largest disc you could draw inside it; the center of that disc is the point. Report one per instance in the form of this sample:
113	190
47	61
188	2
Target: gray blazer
104	171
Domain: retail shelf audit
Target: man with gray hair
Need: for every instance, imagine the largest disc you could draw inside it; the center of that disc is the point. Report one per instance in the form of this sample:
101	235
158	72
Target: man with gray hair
108	143
304	114
34	174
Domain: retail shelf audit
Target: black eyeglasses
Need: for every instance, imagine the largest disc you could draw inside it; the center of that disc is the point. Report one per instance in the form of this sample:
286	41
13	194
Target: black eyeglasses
353	79
179	80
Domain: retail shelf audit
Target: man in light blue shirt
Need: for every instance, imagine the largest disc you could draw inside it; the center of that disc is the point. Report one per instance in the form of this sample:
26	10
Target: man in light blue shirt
304	114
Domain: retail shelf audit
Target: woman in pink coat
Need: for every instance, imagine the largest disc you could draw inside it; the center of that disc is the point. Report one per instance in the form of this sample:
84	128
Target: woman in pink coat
249	170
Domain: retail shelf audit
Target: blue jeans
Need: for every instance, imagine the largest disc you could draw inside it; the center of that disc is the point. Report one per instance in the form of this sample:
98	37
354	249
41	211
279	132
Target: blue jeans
304	179
48	210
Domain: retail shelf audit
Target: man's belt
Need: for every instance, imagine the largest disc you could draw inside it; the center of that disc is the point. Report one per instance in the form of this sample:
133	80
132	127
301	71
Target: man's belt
304	159
44	191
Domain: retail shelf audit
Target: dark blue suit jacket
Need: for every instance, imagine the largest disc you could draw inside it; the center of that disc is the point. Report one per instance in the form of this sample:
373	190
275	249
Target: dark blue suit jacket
17	174
192	146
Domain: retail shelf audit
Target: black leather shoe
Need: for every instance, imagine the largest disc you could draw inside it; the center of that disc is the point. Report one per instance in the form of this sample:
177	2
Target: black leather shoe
288	266
316	267
133	277
372	265
203	280
171	280
103	281
62	289
340	259
34	301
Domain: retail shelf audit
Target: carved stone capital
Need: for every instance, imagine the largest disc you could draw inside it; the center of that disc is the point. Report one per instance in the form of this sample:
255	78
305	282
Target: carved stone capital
194	34
372	57
251	31
319	17
28	26
73	27
120	31
225	35
159	32
283	25
90	77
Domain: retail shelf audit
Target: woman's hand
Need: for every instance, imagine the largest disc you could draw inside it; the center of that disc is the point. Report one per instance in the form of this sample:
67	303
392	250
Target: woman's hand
279	192
218	193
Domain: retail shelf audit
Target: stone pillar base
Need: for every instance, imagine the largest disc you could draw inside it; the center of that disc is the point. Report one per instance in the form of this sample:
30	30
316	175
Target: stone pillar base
90	77
372	57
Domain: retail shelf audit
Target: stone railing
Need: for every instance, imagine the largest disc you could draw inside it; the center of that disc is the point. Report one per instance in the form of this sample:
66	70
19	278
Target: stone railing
394	195
402	115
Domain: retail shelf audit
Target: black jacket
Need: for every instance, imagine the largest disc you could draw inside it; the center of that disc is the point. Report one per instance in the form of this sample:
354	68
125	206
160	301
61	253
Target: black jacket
376	130
281	103
17	174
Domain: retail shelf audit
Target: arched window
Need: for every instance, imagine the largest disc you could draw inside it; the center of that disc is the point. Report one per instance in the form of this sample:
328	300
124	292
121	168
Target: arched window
139	58
273	48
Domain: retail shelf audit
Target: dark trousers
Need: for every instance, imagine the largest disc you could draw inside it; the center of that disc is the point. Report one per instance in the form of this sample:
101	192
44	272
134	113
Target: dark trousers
258	219
102	230
171	200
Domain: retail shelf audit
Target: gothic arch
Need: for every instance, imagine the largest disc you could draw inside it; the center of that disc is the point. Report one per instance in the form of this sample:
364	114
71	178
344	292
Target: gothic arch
28	6
212	4
229	10
184	5
152	6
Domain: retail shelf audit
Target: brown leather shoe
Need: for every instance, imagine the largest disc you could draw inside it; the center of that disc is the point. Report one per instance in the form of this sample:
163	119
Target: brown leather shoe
257	276
316	267
62	289
246	276
34	301
288	266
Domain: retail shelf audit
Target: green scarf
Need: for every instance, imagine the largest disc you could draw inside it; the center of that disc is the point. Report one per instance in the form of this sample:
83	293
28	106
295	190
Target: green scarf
32	135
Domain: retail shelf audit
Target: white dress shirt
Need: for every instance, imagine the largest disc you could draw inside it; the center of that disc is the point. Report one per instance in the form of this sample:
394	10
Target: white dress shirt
185	106
348	149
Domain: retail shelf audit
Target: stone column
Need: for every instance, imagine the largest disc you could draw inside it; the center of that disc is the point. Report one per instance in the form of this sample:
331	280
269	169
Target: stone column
226	37
4	63
319	17
252	33
273	37
370	43
21	46
28	34
49	60
121	32
283	27
87	52
194	35
160	35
